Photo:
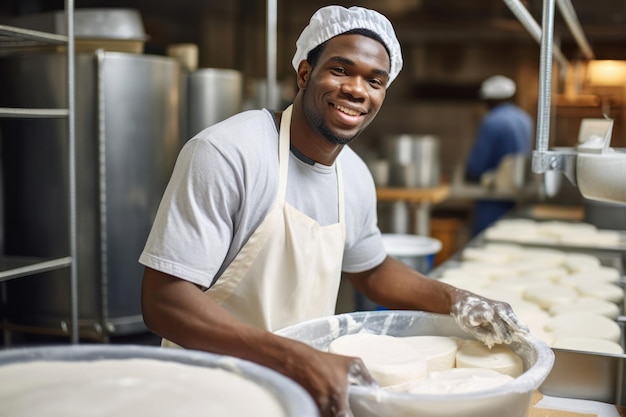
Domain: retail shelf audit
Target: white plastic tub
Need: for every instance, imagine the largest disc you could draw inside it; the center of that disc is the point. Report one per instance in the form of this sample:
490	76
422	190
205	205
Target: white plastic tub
292	398
509	400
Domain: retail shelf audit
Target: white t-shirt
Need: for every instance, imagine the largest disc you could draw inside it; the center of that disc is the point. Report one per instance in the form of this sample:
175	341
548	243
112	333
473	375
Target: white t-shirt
224	183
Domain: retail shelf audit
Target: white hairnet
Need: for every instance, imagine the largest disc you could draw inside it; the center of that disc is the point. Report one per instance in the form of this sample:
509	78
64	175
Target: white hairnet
497	87
331	21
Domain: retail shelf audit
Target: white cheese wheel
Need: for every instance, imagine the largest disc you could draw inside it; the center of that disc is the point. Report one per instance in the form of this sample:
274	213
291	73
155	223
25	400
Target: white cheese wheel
510	249
581	261
607	238
439	351
549	295
491	271
536	321
536	238
126	387
519	284
605	291
544	256
485	255
602	274
583	325
455	381
500	293
473	285
588	305
387	358
605	274
588	344
500	358
550	274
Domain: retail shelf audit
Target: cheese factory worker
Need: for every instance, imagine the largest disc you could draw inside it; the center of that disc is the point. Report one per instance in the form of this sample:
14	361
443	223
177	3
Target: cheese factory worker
266	209
505	130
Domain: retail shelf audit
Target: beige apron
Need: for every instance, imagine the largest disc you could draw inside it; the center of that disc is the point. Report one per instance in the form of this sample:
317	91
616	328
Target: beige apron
290	268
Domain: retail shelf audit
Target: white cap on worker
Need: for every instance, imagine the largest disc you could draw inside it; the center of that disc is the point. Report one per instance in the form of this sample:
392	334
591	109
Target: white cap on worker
497	87
331	21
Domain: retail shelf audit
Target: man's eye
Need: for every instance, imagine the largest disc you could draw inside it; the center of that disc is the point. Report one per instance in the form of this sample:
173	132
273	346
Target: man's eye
339	70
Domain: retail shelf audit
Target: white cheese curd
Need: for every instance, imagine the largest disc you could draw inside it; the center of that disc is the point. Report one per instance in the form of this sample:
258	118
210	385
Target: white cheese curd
469	284
604	291
490	271
439	351
588	344
389	360
485	255
500	358
588	305
512	250
607	276
127	387
581	261
548	295
549	274
536	321
583	325
454	381
544	256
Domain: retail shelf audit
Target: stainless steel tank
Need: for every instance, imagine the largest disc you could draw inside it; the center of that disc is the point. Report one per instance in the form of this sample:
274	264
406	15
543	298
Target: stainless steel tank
212	95
127	139
413	160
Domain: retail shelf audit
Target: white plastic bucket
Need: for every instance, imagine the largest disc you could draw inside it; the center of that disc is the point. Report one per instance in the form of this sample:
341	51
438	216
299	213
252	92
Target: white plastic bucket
415	251
418	252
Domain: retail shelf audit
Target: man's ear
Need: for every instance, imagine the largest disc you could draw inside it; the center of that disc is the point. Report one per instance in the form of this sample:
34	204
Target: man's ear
304	72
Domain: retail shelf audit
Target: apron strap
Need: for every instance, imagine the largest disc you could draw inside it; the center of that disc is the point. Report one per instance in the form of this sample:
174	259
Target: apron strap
283	153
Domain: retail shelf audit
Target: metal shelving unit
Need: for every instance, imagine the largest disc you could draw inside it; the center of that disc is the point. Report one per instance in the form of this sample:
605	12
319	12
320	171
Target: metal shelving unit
19	40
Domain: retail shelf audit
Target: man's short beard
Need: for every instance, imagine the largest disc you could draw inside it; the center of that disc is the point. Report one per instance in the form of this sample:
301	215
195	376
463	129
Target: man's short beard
329	135
317	122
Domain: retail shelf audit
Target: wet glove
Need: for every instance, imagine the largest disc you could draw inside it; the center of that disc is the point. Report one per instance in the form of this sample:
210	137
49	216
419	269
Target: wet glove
490	321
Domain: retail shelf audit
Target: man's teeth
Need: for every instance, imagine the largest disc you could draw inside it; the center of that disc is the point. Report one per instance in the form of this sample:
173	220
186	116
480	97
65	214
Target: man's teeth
347	111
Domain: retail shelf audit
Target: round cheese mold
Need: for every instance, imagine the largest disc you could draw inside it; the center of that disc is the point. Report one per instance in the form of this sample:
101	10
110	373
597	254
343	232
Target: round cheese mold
500	358
389	360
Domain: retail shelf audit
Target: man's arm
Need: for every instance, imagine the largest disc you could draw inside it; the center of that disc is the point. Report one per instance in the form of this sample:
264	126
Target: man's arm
179	311
396	286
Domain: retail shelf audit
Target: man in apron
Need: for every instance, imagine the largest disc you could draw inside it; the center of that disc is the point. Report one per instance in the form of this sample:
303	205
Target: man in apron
265	210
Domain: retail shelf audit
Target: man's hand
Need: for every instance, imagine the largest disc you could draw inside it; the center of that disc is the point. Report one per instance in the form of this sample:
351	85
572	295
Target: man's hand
490	321
326	377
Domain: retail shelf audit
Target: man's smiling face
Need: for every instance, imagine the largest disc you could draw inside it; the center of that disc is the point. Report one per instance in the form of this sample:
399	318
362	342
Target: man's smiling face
347	87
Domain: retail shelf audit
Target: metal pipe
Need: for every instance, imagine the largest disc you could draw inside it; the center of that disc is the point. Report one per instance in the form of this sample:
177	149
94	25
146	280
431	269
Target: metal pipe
69	15
533	28
545	77
102	185
272	85
569	15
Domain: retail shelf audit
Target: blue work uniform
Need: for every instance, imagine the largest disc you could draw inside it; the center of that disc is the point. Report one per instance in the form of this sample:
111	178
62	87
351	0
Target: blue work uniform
505	130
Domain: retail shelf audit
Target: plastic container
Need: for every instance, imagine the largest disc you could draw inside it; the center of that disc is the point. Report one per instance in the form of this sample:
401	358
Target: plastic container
295	401
416	251
510	400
